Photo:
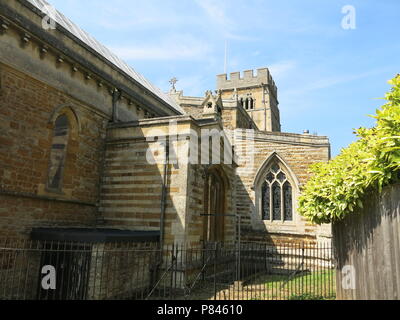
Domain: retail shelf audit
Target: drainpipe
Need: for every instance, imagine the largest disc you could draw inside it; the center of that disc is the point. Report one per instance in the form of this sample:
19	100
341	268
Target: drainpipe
162	217
116	96
164	197
100	217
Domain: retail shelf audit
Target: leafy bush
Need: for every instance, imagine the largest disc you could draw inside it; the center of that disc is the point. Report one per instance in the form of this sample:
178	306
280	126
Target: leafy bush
339	186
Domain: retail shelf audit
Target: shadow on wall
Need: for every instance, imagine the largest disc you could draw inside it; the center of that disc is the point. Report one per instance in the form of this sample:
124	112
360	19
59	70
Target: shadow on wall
252	227
139	191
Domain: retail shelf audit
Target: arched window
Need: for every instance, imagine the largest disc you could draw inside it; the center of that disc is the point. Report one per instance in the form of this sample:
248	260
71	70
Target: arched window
277	195
247	104
251	104
58	153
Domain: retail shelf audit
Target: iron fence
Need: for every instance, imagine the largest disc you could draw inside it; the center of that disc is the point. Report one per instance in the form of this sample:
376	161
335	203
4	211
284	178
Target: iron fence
38	270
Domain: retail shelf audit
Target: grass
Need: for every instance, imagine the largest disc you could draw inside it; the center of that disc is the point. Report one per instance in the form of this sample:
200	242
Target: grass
307	286
311	286
307	296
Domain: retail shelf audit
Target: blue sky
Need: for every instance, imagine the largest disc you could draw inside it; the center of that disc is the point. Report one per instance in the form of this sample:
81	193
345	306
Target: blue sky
329	78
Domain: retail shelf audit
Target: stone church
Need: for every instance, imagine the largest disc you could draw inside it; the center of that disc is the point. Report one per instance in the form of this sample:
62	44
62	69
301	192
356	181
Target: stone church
91	149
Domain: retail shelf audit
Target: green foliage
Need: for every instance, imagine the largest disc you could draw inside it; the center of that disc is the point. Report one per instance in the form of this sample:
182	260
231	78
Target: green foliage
339	186
309	296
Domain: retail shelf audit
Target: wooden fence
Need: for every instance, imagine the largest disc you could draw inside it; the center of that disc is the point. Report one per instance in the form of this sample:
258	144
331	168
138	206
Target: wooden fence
367	249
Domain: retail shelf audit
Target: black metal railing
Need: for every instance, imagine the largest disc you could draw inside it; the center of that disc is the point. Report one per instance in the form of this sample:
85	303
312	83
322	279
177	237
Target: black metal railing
38	270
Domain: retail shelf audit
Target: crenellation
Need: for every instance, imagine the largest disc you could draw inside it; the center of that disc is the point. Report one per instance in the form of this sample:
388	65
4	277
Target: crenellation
257	93
250	78
248	75
235	76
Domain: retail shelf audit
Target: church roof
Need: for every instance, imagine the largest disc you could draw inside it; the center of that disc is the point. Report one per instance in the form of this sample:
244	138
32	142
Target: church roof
90	41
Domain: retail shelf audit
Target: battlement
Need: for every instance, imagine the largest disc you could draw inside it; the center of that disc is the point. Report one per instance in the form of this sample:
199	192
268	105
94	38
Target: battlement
249	79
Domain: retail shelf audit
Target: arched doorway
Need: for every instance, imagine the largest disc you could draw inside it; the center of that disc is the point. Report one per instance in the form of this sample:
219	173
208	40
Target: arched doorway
214	207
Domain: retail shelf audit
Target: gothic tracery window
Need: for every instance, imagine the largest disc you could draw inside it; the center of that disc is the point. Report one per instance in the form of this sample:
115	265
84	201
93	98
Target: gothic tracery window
276	195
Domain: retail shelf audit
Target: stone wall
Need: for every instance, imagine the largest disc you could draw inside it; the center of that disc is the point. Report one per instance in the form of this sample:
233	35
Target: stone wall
261	88
44	74
27	112
236	117
297	152
121	271
195	111
196	204
132	186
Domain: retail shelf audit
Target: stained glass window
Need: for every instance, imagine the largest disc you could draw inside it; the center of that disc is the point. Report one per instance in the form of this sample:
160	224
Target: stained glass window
287	199
275	168
58	153
276	201
266	210
270	177
281	177
276	195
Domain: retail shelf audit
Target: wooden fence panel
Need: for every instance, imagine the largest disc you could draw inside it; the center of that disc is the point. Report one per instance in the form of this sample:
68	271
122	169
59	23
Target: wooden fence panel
369	241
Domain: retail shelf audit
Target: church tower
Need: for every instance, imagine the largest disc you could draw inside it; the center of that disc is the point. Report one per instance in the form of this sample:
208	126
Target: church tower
257	94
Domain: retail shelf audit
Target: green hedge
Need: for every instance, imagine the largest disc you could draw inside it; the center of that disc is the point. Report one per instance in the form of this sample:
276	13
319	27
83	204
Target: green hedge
338	187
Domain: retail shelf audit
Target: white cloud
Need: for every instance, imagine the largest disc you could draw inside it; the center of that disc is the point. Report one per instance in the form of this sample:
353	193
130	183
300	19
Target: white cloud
169	48
324	83
157	16
282	68
221	15
215	9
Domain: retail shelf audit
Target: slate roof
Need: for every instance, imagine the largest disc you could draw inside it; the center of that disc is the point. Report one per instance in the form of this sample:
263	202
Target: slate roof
90	41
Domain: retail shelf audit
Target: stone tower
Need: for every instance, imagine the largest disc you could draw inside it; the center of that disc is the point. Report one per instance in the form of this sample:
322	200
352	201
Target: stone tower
257	94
